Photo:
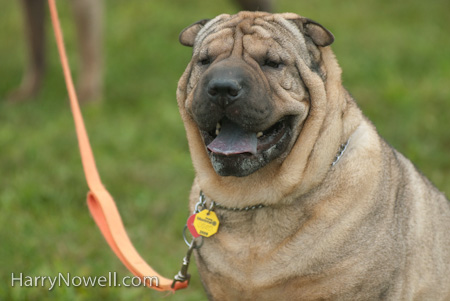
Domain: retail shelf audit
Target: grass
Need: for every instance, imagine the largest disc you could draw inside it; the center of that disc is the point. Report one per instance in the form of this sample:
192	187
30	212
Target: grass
396	63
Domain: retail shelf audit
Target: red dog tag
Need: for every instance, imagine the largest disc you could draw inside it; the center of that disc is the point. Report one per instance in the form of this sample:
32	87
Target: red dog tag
190	225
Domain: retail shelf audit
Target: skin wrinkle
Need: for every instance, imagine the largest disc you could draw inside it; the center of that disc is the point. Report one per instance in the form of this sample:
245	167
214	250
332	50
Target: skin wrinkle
285	25
241	31
311	112
204	32
188	77
209	40
316	62
312	125
261	31
275	26
255	66
294	43
283	93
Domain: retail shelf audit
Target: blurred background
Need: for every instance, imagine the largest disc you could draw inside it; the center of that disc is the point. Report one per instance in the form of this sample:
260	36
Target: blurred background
395	57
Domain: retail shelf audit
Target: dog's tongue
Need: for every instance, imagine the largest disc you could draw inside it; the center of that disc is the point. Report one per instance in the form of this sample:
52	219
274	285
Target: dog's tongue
233	140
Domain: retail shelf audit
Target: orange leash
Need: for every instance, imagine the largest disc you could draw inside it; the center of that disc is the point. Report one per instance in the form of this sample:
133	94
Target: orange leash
100	202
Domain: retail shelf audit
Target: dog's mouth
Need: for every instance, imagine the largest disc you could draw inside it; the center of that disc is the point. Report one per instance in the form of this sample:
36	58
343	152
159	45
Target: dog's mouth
231	139
236	151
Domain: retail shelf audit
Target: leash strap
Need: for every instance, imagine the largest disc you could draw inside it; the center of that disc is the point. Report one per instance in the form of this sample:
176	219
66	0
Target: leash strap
100	202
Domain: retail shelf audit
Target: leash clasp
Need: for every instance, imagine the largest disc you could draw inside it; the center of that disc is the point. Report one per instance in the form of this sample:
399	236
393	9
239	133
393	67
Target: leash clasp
183	273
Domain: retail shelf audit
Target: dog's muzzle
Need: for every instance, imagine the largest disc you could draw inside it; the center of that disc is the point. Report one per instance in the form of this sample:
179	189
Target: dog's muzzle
234	112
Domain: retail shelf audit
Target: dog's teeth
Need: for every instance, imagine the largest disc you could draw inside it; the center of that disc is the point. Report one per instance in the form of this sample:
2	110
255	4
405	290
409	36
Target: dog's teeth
259	134
217	129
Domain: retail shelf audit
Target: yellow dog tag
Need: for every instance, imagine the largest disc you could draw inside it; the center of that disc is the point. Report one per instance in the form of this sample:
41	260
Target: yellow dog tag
206	223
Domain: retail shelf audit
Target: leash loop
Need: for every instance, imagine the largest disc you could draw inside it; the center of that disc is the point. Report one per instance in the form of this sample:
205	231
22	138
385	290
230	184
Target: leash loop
189	244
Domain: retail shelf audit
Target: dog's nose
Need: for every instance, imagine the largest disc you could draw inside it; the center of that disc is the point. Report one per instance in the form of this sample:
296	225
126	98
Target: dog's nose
224	91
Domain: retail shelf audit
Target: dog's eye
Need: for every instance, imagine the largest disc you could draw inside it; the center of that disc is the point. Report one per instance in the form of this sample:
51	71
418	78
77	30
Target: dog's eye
271	64
205	61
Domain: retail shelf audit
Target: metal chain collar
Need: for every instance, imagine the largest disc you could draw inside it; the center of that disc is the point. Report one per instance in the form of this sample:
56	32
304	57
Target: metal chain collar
340	152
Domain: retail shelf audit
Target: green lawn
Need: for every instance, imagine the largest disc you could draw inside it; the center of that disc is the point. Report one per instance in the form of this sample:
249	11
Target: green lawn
396	62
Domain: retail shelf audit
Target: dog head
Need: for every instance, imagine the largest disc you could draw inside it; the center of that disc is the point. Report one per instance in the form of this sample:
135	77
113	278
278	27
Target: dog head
245	93
246	96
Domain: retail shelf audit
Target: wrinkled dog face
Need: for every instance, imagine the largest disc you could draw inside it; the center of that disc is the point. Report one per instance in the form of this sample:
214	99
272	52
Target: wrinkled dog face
244	89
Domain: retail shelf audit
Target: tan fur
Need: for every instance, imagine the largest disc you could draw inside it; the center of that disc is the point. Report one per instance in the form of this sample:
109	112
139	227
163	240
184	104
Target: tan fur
369	228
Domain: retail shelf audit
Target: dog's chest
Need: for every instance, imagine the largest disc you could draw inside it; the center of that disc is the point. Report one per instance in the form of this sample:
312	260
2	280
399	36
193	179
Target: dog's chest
252	246
277	254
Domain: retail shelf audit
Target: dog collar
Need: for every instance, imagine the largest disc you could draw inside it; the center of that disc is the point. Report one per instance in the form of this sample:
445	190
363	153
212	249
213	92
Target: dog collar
340	152
216	205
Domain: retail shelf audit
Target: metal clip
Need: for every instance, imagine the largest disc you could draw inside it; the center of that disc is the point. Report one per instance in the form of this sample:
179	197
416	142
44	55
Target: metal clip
183	273
200	205
212	206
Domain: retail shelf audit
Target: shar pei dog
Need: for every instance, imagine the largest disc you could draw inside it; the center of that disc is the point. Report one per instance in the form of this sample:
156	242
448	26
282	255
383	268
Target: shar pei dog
313	204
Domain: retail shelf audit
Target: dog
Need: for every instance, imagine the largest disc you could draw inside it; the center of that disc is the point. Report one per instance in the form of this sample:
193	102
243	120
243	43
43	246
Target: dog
313	204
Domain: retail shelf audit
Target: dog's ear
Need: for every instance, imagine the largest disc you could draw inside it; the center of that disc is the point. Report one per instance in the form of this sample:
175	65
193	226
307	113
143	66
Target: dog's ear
187	36
319	34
